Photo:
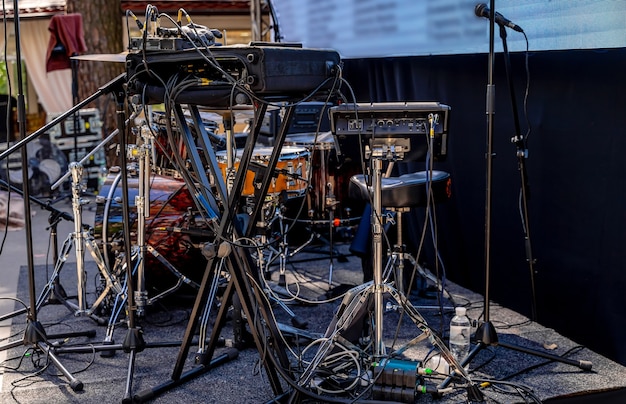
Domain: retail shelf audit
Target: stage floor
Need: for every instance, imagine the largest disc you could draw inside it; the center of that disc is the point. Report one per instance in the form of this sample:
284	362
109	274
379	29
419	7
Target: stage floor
243	379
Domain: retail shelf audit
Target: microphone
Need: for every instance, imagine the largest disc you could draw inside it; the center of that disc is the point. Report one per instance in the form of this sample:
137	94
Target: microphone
481	10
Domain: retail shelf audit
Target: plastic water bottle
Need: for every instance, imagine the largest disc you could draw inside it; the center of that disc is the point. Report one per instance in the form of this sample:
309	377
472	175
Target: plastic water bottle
460	330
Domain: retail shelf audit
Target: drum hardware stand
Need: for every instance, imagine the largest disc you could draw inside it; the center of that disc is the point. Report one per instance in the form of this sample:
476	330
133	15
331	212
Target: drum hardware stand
35	334
58	292
142	203
330	203
182	279
133	341
80	238
142	200
395	262
55	217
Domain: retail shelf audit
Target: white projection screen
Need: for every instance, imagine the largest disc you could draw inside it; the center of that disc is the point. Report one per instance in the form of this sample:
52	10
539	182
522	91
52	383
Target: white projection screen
383	28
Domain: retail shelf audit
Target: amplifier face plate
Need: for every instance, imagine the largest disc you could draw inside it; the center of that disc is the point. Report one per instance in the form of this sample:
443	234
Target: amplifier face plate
403	125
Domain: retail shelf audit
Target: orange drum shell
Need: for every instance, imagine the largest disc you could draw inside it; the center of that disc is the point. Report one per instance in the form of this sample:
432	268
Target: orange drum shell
293	160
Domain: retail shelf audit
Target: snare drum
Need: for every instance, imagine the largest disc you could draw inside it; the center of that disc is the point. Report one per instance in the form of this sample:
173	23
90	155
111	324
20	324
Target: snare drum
291	169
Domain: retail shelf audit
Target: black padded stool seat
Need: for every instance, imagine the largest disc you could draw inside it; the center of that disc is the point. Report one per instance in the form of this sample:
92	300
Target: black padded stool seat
407	190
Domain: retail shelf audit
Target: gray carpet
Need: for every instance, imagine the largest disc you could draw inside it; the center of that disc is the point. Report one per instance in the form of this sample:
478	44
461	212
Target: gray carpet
244	380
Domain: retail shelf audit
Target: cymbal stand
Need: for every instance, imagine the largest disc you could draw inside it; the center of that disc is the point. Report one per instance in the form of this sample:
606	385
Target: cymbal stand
142	203
133	341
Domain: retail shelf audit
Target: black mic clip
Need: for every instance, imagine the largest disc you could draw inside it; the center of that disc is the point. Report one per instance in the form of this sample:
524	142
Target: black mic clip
481	10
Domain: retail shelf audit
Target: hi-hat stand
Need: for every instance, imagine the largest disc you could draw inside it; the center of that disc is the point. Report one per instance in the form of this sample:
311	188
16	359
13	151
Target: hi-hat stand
80	239
486	334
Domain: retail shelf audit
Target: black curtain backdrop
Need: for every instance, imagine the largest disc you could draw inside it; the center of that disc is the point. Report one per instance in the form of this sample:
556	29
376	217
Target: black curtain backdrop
576	169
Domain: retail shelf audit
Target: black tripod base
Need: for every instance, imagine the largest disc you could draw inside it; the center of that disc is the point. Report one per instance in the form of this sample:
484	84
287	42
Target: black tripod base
486	336
34	333
75	384
133	341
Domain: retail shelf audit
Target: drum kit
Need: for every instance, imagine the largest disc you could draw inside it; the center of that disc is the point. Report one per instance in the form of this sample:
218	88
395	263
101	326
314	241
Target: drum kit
169	236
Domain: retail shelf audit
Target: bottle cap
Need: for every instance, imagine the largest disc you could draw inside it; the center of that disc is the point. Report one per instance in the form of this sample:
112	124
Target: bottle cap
460	311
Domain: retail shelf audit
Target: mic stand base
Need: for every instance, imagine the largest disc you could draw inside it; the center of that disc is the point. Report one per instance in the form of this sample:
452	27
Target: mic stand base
35	335
486	336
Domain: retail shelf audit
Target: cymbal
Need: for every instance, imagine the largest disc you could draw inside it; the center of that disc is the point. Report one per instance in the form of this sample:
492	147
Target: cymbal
103	57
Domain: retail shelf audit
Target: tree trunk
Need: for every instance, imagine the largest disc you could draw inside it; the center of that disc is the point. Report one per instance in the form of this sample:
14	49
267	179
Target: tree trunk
103	30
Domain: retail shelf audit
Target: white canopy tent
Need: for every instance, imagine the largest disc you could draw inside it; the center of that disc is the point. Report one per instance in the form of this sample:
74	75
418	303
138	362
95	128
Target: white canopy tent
53	90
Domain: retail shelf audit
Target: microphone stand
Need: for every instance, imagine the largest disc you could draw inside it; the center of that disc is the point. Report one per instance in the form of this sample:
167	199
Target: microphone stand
486	334
34	334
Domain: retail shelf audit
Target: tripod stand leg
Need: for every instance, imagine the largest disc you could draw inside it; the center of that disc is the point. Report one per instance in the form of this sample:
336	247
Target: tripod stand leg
582	364
133	343
182	279
75	384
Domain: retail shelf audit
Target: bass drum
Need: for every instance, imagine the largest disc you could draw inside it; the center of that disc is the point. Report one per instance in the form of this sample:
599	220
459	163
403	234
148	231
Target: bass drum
169	229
